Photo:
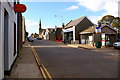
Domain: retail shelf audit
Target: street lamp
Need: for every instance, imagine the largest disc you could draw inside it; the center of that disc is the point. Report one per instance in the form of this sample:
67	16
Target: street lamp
61	25
59	16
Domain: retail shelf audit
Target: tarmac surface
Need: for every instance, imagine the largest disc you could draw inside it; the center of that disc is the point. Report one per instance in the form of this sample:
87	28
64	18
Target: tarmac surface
62	61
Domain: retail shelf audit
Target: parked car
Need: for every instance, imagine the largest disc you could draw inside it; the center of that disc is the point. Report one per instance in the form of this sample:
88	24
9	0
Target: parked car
39	38
30	39
117	44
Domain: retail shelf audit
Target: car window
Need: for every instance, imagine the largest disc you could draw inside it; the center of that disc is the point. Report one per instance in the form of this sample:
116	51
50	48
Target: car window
118	40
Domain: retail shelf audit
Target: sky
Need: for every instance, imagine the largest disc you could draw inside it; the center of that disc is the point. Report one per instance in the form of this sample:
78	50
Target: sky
65	10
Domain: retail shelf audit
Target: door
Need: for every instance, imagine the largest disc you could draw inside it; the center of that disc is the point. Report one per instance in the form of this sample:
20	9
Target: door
6	40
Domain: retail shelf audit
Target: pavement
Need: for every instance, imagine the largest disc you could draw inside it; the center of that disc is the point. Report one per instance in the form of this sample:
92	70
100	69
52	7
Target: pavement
85	46
109	50
25	65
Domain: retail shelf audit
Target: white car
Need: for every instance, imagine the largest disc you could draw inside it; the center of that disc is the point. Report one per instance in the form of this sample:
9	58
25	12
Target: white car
116	45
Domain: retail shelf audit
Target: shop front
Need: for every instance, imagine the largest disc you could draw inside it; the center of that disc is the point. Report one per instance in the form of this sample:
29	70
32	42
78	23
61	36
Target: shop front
108	39
107	36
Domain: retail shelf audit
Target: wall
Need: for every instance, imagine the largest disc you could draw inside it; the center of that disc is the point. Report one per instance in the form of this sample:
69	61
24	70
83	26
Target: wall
23	29
19	32
84	24
12	19
119	9
1	44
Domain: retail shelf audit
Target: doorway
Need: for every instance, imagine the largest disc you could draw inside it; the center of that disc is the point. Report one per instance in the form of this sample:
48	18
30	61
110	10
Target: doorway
6	60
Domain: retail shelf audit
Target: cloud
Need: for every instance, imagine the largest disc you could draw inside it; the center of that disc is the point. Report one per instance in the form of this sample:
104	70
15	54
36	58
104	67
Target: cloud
110	7
48	0
95	19
31	26
40	0
93	5
72	8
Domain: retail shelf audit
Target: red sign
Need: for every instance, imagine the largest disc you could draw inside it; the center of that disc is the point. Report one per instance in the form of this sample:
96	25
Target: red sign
20	8
59	39
103	40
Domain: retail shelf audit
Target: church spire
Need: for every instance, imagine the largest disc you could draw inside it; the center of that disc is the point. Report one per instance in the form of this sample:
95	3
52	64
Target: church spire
40	28
40	24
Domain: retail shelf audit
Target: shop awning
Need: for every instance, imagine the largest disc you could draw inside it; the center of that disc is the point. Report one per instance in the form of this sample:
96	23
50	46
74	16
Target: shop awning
68	30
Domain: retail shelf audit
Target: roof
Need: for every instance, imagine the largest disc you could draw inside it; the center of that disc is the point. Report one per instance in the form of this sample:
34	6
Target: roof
74	22
91	29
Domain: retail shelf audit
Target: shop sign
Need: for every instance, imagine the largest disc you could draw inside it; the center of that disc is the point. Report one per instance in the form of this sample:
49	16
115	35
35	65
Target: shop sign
20	8
98	30
103	39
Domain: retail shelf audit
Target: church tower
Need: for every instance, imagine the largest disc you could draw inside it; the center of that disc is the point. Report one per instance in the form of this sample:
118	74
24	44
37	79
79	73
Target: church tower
40	28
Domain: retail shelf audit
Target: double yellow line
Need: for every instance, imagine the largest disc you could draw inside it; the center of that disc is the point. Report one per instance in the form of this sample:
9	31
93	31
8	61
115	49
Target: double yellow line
43	70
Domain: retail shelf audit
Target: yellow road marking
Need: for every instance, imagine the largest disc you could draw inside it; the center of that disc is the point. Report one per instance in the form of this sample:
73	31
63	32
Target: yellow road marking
41	67
44	76
47	73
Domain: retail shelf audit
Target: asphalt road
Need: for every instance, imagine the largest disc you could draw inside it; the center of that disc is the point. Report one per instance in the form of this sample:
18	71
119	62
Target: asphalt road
65	62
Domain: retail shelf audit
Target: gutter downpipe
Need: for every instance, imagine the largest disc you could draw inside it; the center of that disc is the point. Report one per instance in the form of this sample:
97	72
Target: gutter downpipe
74	34
63	34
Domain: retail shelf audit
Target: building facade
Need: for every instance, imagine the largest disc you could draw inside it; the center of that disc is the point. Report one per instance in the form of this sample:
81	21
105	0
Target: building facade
8	36
74	27
108	36
23	30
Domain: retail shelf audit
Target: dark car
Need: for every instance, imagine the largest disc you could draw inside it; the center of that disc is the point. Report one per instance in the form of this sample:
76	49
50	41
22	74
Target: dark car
30	39
39	38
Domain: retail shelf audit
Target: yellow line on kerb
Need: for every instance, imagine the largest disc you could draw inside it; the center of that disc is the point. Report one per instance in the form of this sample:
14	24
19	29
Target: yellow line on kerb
42	71
47	73
41	66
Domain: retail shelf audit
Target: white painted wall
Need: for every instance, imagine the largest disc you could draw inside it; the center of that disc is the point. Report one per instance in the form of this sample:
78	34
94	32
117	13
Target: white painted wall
119	9
23	29
1	44
12	19
47	34
73	34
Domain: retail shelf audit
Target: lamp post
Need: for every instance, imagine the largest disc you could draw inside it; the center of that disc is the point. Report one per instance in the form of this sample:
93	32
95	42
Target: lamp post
98	35
59	16
61	25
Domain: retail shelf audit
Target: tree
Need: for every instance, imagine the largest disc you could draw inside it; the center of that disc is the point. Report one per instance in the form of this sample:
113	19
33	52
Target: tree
111	20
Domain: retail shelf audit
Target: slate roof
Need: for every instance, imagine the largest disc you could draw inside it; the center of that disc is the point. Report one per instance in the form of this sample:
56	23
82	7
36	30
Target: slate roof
91	29
74	22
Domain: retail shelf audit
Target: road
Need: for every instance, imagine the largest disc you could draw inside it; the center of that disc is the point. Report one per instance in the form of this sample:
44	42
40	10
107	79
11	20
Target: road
65	62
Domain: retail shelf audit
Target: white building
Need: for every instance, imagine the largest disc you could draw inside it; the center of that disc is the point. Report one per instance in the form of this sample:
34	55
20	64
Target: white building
119	9
47	34
8	36
23	29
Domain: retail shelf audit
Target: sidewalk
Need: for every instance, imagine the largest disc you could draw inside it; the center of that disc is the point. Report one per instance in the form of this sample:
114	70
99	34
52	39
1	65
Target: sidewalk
25	66
89	47
84	46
